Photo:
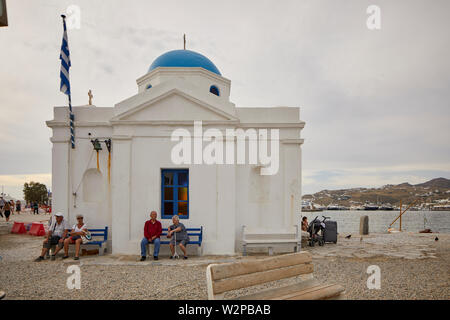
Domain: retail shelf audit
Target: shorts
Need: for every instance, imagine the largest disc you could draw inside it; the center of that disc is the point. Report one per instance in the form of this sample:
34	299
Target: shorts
184	242
74	238
53	241
7	213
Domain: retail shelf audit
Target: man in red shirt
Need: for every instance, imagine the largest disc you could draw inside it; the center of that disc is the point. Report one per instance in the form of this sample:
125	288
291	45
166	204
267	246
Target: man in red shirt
152	232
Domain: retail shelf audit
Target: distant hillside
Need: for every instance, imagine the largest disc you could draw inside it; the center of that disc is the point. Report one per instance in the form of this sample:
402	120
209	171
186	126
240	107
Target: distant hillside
436	183
405	184
433	191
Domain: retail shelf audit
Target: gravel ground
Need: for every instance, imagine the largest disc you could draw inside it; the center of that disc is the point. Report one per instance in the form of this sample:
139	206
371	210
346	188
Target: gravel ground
23	279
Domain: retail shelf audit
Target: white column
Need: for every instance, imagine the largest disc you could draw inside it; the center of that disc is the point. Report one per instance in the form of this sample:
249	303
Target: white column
121	185
60	176
226	209
292	181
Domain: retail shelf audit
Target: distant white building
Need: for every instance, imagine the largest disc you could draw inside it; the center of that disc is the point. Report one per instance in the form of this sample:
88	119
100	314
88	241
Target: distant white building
180	87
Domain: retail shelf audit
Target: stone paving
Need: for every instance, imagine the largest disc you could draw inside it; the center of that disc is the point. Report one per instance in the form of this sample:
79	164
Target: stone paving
25	217
409	270
409	246
396	245
125	260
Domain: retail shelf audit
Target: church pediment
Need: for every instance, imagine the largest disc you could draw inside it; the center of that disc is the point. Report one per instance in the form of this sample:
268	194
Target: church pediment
174	105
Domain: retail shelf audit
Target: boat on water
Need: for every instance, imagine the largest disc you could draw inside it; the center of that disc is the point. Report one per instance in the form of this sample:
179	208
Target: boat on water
337	207
386	207
333	207
310	207
370	206
441	208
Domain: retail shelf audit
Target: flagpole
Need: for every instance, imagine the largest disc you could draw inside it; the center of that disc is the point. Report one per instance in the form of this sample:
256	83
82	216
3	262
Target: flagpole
72	119
65	81
65	88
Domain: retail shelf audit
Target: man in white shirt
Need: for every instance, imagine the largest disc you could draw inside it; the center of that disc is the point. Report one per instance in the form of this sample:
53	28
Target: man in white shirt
55	236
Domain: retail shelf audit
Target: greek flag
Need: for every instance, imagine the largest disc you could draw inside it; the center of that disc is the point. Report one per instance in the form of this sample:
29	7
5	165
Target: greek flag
65	62
65	79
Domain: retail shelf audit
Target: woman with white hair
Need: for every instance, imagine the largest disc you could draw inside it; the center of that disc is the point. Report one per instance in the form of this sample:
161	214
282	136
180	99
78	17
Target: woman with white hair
178	231
78	230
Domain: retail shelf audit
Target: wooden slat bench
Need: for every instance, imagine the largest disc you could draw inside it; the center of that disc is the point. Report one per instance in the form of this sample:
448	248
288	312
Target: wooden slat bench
195	237
99	239
222	278
269	238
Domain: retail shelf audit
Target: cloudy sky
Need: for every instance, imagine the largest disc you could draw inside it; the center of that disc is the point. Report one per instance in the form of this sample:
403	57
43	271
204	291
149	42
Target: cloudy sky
376	102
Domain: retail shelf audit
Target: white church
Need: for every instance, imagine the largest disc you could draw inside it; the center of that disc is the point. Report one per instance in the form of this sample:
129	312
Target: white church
138	173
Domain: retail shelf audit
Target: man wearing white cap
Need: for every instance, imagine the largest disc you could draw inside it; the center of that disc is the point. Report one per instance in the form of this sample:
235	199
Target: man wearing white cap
57	232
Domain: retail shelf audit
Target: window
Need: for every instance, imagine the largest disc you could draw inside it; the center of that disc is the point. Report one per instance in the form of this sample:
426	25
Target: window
175	193
214	90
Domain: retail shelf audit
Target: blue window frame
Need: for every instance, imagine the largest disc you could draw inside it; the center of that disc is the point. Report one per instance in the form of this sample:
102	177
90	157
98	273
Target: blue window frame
175	193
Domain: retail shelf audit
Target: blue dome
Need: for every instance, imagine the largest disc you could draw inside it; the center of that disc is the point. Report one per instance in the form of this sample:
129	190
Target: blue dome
184	59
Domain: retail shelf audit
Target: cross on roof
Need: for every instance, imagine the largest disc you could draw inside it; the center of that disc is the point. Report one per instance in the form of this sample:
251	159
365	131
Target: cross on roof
90	97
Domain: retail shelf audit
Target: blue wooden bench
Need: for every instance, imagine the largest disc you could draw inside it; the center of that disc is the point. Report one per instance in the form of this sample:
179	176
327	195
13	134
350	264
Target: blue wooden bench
99	238
197	233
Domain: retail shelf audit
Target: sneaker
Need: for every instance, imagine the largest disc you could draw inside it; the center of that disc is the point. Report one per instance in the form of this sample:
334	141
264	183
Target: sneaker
53	257
143	258
171	257
76	258
185	258
155	257
39	259
65	257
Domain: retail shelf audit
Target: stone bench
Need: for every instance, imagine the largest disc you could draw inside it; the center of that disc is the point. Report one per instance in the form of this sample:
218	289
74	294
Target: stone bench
268	238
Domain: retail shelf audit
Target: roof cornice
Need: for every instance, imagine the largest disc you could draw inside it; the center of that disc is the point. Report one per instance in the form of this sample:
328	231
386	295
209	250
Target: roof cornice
182	71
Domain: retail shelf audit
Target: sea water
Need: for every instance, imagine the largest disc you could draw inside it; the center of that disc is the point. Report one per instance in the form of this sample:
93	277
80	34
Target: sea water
379	221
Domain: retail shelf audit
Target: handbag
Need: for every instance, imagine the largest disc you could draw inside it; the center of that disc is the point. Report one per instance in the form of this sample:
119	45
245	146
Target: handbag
86	237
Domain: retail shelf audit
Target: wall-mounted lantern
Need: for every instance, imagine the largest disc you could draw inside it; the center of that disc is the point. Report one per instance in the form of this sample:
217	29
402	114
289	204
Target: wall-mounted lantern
108	145
97	145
